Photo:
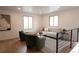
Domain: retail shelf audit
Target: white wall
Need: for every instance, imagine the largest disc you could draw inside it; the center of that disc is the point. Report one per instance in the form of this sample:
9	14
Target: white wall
67	19
17	24
36	22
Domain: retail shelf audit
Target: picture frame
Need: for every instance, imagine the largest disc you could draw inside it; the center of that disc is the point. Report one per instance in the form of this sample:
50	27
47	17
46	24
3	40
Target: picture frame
5	22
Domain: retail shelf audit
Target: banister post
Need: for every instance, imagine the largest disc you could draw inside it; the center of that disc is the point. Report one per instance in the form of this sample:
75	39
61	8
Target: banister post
57	42
77	34
71	40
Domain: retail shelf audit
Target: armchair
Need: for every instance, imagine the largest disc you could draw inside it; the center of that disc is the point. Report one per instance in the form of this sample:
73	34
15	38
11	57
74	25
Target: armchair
32	40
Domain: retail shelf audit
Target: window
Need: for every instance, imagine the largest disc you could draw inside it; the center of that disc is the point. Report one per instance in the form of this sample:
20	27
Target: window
53	20
27	22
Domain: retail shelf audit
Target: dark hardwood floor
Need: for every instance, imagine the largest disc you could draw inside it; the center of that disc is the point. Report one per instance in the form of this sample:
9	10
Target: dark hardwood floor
12	46
17	46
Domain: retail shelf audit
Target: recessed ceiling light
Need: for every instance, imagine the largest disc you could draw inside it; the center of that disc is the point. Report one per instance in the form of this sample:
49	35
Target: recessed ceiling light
58	7
19	8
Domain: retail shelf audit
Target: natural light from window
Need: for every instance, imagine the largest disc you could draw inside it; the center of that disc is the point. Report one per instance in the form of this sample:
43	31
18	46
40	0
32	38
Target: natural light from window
53	20
27	22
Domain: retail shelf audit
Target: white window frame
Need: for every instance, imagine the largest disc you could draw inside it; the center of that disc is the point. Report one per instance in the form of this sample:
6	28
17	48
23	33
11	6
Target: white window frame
28	23
53	21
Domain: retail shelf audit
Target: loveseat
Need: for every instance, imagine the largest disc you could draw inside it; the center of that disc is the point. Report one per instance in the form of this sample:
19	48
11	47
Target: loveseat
32	40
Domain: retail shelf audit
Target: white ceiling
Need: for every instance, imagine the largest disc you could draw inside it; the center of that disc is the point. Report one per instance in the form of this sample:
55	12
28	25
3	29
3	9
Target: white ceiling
40	9
35	9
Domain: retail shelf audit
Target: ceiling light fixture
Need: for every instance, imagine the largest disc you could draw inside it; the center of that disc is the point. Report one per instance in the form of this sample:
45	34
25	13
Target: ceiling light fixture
19	8
58	7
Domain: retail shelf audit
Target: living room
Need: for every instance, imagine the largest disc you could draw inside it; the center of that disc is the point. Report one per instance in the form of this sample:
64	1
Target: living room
40	20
